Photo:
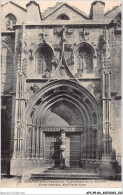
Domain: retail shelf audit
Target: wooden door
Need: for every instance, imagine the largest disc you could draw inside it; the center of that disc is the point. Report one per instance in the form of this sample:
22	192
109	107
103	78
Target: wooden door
67	152
52	149
74	149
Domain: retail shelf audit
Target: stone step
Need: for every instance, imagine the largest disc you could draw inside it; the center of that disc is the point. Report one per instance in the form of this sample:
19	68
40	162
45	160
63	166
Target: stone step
66	175
68	171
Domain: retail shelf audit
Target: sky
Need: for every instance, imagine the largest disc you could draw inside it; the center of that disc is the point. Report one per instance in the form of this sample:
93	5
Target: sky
81	5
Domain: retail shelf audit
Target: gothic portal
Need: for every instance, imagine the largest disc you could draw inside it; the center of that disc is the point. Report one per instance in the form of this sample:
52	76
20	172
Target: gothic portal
69	107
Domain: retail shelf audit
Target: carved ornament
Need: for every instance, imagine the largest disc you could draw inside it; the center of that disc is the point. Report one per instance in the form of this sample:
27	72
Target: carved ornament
57	47
118	20
84	35
69	31
62	31
46	74
42	35
84	98
101	40
79	74
24	66
70	61
68	47
55	62
56	89
24	47
10	22
34	88
58	31
30	54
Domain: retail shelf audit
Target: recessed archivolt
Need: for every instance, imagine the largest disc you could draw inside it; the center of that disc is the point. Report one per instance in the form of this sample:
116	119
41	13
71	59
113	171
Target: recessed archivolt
61	83
43	108
49	100
65	102
59	98
66	95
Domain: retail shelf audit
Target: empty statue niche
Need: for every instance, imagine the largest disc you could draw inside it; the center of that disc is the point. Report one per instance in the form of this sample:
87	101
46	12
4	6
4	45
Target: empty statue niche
43	58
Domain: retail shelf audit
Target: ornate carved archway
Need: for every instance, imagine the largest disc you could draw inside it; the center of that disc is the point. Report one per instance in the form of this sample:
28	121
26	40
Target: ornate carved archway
63	105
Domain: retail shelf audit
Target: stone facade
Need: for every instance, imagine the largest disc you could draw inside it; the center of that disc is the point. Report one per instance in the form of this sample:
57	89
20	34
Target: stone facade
61	69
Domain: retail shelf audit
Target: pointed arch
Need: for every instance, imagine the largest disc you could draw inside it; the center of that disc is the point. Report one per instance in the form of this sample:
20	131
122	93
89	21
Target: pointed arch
76	95
43	44
84	43
43	55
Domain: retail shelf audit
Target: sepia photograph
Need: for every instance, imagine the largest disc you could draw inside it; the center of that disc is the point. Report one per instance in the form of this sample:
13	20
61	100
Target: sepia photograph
61	94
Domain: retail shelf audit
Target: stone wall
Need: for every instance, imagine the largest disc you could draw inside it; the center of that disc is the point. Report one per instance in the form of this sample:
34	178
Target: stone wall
115	50
6	119
7	63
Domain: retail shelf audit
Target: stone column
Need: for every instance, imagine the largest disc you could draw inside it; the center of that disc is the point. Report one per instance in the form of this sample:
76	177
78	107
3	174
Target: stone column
19	130
17	162
106	92
107	165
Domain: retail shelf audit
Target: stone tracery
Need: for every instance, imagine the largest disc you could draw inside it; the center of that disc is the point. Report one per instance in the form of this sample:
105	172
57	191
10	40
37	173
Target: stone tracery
84	54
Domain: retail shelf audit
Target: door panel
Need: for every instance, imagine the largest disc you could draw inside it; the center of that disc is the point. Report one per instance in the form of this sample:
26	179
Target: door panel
52	149
75	149
67	159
